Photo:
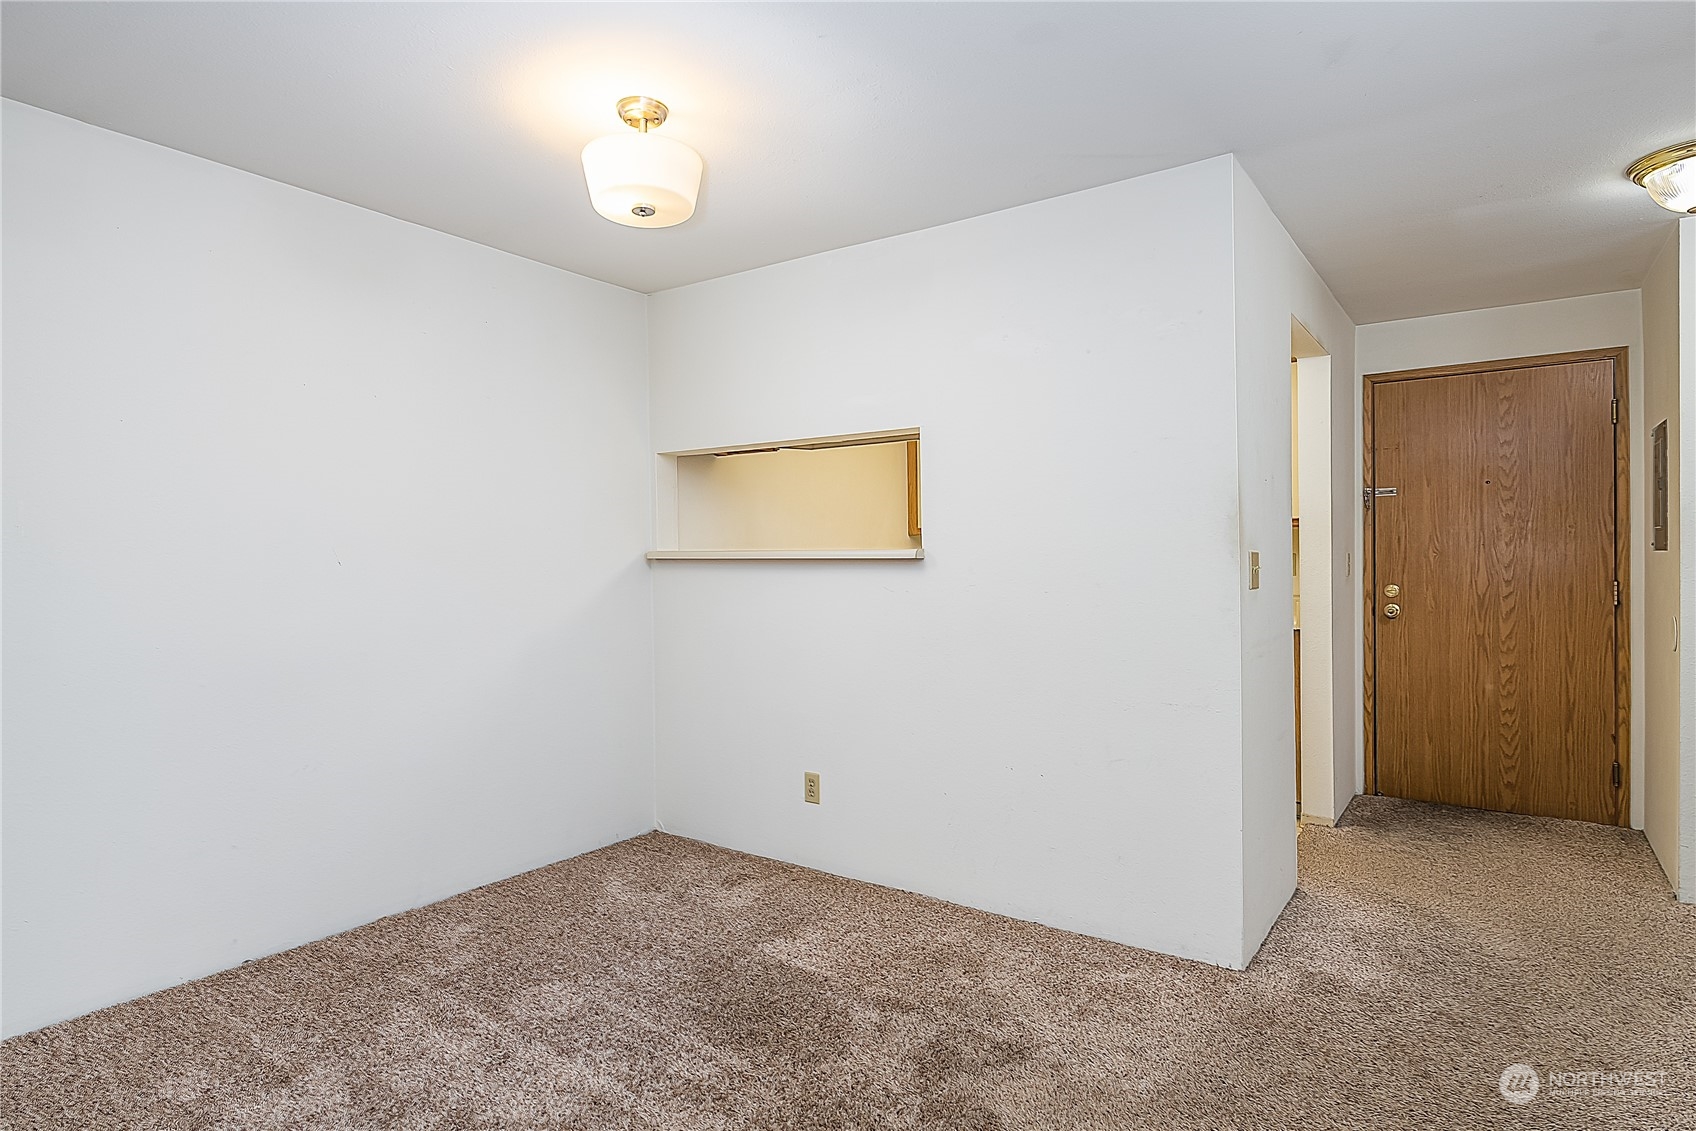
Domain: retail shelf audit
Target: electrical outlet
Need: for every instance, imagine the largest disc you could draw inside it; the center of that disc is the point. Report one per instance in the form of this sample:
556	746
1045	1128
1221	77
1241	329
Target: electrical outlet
811	793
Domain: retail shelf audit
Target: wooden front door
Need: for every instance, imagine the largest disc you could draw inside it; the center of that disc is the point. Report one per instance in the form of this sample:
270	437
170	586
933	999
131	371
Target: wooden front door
1496	618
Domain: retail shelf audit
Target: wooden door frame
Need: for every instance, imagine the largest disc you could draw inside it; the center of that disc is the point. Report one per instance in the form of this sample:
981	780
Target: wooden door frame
1620	356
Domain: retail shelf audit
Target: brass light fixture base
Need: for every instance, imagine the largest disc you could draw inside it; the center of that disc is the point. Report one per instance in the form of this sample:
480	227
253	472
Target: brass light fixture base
642	113
1648	163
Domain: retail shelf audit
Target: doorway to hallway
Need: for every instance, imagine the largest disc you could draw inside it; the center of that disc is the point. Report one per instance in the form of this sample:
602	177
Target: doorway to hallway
1312	517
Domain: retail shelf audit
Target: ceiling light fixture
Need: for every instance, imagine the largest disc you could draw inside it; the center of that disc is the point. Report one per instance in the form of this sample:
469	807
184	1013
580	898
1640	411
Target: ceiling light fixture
641	179
1669	176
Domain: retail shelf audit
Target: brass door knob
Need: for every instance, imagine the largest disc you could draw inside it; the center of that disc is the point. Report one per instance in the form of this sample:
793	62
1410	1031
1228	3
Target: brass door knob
1392	591
1391	612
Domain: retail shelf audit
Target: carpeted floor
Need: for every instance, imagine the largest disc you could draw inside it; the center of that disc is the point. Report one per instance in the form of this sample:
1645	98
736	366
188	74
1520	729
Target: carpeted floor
665	984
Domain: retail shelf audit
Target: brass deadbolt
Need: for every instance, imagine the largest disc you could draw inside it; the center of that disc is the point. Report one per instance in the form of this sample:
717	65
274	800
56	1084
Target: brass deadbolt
1392	591
1391	612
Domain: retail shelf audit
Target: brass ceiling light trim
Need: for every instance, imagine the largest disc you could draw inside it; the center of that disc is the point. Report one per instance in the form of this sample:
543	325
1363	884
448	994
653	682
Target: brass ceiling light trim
1668	175
640	112
1645	165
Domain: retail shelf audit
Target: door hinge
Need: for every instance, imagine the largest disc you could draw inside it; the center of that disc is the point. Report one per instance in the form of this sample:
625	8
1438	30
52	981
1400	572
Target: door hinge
1616	773
1616	594
1616	410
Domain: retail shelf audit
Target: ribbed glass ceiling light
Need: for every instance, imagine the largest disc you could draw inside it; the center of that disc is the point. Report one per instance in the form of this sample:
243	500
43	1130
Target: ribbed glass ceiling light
641	179
1669	175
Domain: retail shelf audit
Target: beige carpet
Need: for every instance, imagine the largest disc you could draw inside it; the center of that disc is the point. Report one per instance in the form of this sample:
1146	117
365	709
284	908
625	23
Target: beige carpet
666	984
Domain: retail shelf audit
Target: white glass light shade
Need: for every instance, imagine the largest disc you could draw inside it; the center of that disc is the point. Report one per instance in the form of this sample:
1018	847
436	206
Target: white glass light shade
1674	186
642	179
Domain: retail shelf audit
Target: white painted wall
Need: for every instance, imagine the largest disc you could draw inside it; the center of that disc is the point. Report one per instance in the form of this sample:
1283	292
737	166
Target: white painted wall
1560	326
1687	555
1043	718
324	595
1662	764
1669	341
1274	283
852	497
1669	717
1668	338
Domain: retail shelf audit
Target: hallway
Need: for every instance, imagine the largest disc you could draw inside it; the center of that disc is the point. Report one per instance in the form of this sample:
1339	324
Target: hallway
664	983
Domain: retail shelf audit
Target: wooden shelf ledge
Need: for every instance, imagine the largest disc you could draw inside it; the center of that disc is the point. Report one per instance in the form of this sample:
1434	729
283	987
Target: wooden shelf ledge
785	555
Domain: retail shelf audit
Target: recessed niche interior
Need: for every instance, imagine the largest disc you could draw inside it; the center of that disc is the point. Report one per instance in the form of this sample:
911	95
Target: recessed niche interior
836	496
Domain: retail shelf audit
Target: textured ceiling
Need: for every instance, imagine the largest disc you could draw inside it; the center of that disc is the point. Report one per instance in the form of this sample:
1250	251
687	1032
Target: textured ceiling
1427	157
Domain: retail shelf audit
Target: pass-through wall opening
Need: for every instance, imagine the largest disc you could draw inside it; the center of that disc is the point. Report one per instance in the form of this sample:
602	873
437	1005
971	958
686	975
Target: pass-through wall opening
834	493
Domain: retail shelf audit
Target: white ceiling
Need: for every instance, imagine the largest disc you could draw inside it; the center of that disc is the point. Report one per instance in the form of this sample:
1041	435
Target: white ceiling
1427	157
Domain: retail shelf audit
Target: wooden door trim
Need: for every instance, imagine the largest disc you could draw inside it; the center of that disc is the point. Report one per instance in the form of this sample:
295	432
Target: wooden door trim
1622	569
1620	356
